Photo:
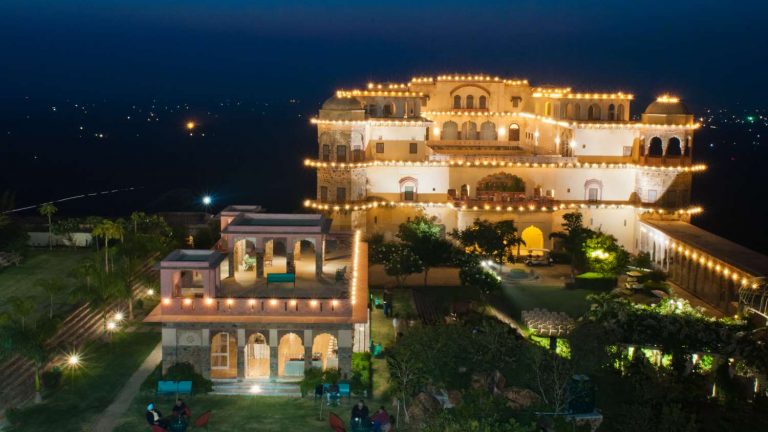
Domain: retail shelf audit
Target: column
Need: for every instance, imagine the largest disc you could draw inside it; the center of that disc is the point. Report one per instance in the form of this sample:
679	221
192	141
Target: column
297	250
273	354
231	263
169	347
240	354
344	340
205	361
290	266
308	342
259	265
319	256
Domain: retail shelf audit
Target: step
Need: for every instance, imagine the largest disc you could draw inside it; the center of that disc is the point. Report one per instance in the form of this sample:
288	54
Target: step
257	387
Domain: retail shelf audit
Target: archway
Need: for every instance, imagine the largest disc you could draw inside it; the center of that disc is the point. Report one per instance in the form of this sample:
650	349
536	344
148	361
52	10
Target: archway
593	113
325	351
256	356
290	356
611	112
655	147
450	131
488	131
514	132
533	238
673	147
223	356
469	130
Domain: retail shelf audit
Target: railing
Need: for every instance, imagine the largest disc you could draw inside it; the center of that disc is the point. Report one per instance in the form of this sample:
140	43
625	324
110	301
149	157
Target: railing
522	159
666	160
256	307
495	199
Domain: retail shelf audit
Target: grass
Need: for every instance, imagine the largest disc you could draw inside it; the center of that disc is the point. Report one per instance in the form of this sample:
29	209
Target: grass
520	297
242	413
38	264
87	392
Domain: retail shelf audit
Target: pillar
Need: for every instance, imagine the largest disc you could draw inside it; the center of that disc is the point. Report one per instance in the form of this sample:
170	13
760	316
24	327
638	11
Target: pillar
240	354
319	256
273	353
308	342
205	362
231	263
169	347
344	340
259	265
290	266
297	250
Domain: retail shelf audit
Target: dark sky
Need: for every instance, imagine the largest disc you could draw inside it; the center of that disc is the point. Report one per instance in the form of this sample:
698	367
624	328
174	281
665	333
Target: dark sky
709	52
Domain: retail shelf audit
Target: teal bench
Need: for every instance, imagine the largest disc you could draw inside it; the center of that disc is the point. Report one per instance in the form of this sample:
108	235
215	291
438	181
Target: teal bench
174	388
281	278
344	390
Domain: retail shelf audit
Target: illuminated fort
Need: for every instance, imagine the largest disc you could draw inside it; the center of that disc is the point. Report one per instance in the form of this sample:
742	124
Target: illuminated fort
461	147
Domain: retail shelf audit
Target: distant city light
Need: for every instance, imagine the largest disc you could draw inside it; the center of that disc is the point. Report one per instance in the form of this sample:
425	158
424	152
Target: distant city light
207	200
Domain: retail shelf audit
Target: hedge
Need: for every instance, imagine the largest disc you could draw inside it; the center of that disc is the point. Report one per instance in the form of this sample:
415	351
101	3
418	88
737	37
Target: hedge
595	281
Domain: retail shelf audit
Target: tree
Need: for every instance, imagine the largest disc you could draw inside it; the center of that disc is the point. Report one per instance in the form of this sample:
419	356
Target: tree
100	289
108	230
67	228
30	342
604	254
400	262
52	287
551	373
424	238
573	237
137	217
48	209
22	308
489	239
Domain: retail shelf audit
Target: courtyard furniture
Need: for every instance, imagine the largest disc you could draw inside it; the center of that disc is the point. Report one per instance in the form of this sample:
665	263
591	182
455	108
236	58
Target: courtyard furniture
336	423
546	323
202	421
156	428
281	278
178	424
345	390
174	388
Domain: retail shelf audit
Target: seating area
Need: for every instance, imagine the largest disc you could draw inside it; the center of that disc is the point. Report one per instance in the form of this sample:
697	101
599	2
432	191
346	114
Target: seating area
281	278
8	259
547	323
165	388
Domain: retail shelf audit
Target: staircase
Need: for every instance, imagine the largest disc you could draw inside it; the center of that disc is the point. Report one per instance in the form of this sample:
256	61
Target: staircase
257	387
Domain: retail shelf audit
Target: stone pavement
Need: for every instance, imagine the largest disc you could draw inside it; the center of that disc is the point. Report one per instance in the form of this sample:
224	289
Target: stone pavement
109	418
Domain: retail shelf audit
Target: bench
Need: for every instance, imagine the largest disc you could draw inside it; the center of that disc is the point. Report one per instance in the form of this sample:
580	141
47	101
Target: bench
174	387
281	278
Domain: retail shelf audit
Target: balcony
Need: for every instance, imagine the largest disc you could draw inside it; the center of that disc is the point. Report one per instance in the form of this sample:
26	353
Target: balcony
666	160
523	159
514	200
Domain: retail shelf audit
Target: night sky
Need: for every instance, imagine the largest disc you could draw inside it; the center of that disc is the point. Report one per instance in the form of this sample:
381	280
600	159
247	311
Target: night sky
94	94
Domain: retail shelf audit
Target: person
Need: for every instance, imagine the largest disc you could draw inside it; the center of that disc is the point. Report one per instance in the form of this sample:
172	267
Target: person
381	420
155	417
180	409
387	297
359	414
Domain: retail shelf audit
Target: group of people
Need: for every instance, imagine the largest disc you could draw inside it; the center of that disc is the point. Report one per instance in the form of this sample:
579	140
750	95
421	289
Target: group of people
179	412
380	419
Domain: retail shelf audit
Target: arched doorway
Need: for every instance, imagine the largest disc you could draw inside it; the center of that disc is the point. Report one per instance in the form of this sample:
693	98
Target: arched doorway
533	238
488	131
469	130
450	131
673	147
290	356
325	351
514	132
257	357
655	148
223	356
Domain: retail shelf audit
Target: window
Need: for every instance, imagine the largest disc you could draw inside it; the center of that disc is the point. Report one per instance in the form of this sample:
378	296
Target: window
220	351
611	112
323	193
652	195
516	101
620	112
593	113
593	190
673	147
593	194
341	153
514	132
655	148
627	150
379	147
389	110
450	131
408	193
482	102
341	194
413	148
326	153
470	102
457	102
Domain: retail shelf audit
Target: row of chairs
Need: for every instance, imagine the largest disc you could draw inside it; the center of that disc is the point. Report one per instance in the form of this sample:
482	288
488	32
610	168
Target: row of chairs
8	259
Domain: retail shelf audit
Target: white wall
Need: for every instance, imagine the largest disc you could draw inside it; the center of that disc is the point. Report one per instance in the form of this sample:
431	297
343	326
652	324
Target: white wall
387	179
397	133
602	142
41	239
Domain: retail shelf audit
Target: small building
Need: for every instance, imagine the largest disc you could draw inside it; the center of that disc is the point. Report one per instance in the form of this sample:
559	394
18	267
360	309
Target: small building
262	306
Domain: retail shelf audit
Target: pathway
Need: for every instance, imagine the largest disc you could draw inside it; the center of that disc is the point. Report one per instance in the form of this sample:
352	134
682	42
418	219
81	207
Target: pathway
110	417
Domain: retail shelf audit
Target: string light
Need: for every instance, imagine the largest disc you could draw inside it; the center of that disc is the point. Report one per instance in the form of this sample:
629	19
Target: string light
378	122
666	98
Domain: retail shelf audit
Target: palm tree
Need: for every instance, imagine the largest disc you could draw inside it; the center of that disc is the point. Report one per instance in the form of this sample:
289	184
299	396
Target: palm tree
137	217
52	288
101	289
22	308
48	209
29	342
108	230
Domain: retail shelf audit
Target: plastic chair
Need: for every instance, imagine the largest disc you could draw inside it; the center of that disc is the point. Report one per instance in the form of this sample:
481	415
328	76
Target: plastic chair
202	421
336	423
156	428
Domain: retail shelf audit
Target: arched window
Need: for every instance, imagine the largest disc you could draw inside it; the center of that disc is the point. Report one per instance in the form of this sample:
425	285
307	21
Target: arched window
593	112
488	131
514	132
593	190
457	102
470	102
548	109
341	153
577	112
620	112
673	147
450	131
655	147
611	112
409	189
469	131
482	102
389	109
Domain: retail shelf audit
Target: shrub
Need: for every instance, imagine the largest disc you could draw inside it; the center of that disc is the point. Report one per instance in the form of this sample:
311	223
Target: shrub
179	372
479	277
595	281
315	376
361	372
653	276
51	378
561	257
651	285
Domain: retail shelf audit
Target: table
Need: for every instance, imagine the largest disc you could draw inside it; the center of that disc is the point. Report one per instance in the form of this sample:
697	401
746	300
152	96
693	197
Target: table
178	424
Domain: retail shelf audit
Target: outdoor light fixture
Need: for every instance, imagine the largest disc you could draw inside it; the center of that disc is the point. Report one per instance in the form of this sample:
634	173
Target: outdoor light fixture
150	292
207	200
111	326
73	360
119	316
191	125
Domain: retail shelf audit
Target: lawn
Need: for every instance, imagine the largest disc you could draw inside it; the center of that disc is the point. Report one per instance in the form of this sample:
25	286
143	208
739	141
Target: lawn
243	413
38	264
522	296
87	392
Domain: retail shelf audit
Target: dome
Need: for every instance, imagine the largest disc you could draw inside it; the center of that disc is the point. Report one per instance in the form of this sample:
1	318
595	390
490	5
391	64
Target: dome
667	106
342	104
